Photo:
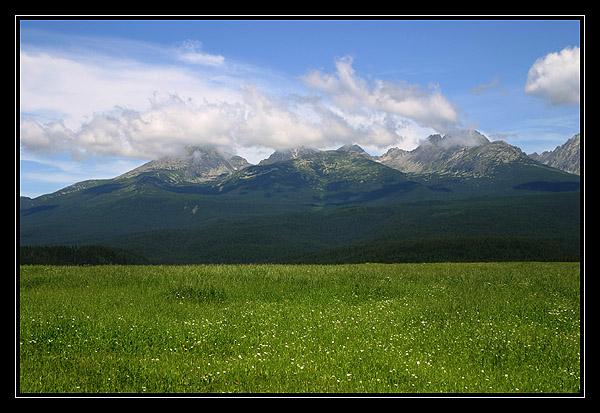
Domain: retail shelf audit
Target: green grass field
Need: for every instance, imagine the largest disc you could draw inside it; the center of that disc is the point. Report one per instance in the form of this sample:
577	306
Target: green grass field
369	328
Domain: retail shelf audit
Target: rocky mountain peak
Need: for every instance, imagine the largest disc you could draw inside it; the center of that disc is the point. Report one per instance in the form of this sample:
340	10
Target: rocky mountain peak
565	157
287	154
196	165
465	154
352	148
464	138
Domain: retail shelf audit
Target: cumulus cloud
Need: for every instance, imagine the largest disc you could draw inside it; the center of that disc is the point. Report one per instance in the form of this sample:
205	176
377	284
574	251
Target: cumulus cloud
171	124
52	137
555	77
166	128
427	107
116	110
285	122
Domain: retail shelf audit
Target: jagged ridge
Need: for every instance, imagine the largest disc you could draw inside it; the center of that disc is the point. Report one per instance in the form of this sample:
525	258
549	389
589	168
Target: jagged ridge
474	157
565	157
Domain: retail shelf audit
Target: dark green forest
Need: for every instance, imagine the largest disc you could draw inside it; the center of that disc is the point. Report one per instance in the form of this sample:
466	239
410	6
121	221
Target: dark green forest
518	228
78	255
468	249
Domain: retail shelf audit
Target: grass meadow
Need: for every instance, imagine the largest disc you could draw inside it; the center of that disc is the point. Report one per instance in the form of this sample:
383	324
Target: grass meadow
370	328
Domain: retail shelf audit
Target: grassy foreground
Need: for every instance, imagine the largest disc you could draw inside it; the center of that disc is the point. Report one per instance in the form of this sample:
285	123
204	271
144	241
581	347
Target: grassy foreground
369	328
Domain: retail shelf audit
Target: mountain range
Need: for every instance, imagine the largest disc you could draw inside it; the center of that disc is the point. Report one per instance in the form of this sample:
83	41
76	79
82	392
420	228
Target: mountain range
207	206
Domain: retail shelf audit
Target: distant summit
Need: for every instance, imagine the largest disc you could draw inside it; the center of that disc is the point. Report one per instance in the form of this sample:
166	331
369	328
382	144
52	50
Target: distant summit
303	152
286	155
468	138
197	165
467	155
565	157
353	148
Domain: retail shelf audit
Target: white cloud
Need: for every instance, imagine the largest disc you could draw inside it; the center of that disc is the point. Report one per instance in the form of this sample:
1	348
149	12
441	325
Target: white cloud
164	129
74	89
171	124
555	77
429	108
190	52
132	110
50	138
289	122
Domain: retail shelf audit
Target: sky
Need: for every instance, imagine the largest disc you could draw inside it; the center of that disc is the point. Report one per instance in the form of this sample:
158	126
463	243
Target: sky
99	97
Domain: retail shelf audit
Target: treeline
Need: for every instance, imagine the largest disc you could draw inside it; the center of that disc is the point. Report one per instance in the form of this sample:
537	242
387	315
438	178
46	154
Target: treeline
78	255
456	249
460	249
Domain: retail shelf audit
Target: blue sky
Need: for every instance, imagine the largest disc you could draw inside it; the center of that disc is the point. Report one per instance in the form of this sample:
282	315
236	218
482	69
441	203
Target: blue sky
100	97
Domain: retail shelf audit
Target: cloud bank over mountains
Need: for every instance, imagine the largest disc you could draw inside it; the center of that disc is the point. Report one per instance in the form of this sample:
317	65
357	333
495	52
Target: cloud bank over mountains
94	105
